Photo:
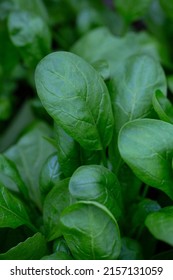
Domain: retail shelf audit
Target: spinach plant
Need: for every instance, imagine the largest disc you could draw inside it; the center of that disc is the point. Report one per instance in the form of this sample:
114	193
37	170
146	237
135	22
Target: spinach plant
86	167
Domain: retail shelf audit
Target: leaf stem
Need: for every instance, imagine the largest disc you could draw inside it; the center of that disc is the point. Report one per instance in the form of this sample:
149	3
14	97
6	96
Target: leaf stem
145	191
104	158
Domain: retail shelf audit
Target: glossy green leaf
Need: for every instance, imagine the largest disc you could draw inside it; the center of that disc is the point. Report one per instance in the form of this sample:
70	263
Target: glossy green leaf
133	87
12	210
50	173
146	145
160	224
55	202
64	83
29	154
97	183
131	92
91	231
10	177
33	248
163	107
30	34
131	9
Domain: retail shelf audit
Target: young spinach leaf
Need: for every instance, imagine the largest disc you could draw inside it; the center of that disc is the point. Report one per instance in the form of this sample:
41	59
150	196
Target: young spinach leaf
148	153
64	83
97	183
88	228
133	86
160	224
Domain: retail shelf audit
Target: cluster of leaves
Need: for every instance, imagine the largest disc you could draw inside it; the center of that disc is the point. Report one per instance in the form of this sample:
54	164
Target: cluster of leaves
86	123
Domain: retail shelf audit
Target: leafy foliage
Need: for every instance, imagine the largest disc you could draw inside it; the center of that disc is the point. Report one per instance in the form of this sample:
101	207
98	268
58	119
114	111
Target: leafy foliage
86	129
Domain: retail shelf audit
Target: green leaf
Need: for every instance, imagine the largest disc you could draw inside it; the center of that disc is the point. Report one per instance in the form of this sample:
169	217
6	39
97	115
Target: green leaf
30	34
132	10
131	92
10	177
90	231
50	174
55	202
33	248
64	83
133	87
29	154
97	183
68	151
149	154
12	211
160	224
163	106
